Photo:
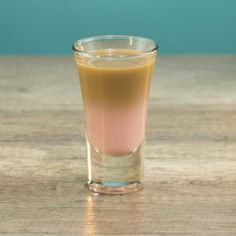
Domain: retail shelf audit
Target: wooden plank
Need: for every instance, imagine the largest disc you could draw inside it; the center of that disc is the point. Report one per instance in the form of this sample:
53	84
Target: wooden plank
190	164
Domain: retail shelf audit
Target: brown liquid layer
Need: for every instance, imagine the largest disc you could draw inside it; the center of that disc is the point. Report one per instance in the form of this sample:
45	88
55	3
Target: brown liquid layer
119	81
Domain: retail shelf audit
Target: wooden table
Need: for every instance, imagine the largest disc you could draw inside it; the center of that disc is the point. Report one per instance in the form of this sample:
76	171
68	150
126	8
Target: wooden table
190	165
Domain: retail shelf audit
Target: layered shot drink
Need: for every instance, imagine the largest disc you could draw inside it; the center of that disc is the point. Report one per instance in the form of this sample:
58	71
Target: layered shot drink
115	74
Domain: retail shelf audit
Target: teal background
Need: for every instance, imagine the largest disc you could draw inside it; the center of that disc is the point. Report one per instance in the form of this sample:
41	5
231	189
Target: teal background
180	26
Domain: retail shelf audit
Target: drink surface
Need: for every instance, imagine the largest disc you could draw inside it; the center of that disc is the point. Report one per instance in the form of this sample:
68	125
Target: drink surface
115	86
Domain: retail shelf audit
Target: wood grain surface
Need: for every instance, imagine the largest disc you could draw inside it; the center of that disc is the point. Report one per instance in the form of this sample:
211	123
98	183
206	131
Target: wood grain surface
190	163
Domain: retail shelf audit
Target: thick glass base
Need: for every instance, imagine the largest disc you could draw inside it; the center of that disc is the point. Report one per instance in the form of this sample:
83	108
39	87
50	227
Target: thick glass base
112	189
119	174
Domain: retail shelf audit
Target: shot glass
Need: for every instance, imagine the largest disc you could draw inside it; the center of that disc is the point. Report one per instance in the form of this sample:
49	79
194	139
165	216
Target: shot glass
115	73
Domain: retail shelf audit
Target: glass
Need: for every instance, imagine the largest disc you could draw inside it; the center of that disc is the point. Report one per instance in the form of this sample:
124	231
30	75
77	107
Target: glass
115	73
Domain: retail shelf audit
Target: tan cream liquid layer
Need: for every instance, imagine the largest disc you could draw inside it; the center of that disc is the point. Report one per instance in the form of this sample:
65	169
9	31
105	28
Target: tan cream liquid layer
115	94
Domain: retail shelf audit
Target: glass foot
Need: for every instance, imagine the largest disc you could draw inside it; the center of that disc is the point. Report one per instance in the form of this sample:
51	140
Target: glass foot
115	187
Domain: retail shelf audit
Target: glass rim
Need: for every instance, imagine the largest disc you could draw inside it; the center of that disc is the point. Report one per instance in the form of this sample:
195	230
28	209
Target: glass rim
114	36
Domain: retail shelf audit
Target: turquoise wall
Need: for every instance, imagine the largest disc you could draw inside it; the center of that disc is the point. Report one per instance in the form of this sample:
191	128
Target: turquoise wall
180	26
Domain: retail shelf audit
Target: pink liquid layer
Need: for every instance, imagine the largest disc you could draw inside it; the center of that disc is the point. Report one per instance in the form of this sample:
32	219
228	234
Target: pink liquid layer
116	131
